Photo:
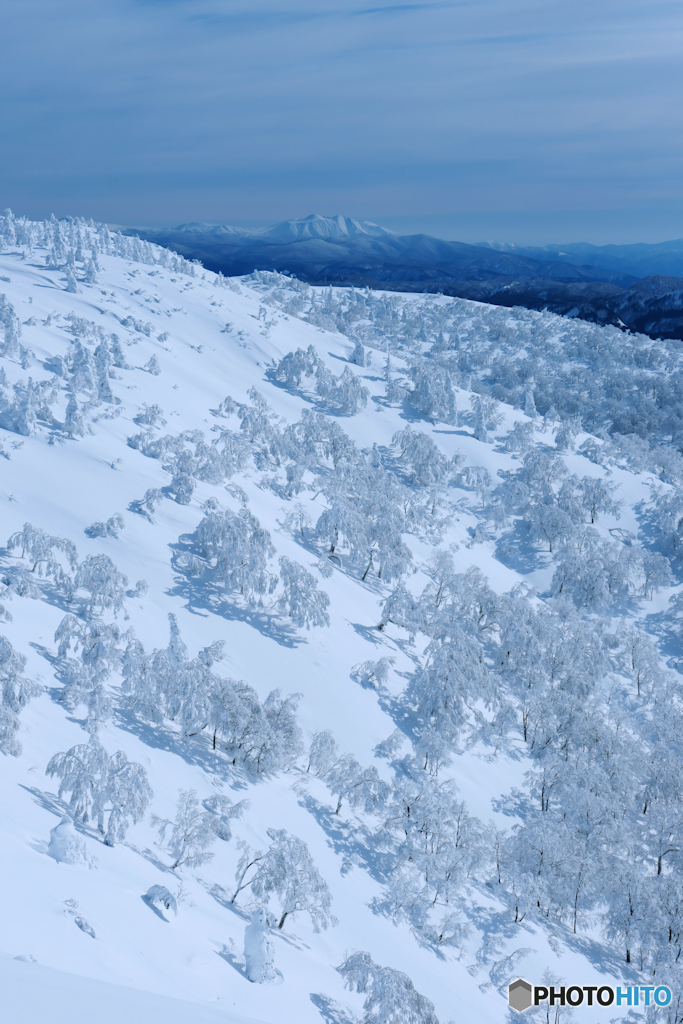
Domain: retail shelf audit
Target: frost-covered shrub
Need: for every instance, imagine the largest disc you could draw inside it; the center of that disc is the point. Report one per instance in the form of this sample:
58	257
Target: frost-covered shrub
259	954
111	528
139	590
373	674
158	895
146	505
150	416
66	846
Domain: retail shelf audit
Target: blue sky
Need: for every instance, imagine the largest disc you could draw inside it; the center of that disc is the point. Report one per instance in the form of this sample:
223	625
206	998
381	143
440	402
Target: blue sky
525	120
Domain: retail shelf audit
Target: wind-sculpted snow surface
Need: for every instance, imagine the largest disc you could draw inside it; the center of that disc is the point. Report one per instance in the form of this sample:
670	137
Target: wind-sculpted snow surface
399	679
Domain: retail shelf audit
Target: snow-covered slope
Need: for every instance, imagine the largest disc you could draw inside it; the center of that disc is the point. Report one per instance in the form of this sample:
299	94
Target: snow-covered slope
82	454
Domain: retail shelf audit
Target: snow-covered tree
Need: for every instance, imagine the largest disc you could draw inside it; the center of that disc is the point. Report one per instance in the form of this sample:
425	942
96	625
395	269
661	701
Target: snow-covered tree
427	464
361	787
103	365
12	328
391	995
194	830
100	786
486	416
433	394
85	679
16	692
237	549
259	954
106	585
74	423
301	601
260	737
41	550
358	355
344	393
322	753
286	873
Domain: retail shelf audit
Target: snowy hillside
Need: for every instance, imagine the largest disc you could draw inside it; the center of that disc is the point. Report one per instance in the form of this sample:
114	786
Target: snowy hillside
349	617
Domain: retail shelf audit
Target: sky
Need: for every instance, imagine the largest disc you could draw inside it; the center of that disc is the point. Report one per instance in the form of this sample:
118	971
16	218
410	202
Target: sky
531	121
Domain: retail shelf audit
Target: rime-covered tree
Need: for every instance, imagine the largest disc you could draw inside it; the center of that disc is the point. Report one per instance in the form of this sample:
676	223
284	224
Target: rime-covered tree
301	601
41	549
85	678
286	873
433	394
258	949
194	830
391	997
101	786
237	550
105	584
16	692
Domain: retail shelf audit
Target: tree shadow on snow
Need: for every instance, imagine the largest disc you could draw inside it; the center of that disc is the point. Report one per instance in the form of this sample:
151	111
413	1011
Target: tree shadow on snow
353	842
193	750
202	597
53	804
222	896
154	909
331	1011
515	550
236	963
369	633
666	626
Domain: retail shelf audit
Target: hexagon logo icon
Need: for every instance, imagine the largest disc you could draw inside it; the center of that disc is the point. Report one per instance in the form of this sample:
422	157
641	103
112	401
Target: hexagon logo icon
519	995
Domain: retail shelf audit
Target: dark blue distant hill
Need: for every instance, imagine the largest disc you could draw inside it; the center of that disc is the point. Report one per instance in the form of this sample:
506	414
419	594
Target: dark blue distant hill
637	287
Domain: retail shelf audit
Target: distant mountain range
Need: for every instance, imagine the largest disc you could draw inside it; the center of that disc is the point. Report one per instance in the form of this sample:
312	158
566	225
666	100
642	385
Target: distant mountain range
639	286
341	250
638	259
